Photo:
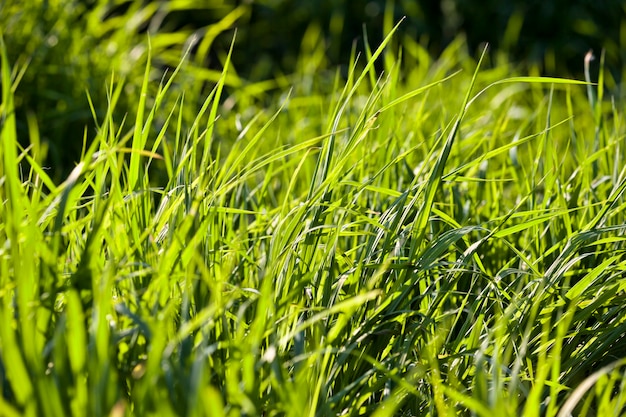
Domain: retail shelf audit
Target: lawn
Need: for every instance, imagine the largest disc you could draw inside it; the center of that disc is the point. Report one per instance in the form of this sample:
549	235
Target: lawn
405	236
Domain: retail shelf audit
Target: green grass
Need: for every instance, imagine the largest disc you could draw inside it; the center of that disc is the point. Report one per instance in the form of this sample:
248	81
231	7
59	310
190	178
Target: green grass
413	237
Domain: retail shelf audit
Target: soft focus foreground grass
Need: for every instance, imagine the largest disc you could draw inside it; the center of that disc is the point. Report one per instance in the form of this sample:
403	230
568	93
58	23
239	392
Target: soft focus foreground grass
399	239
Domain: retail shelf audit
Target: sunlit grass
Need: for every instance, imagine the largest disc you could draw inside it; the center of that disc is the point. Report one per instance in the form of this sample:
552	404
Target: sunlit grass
409	237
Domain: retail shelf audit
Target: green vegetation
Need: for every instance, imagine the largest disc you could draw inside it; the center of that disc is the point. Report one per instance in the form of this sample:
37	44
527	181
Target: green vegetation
411	237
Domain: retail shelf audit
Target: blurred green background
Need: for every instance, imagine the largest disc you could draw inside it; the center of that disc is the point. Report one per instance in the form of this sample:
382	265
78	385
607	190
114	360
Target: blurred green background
62	49
554	34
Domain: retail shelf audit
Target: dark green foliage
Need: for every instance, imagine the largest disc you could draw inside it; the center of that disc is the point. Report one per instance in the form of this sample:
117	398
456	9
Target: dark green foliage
271	36
555	34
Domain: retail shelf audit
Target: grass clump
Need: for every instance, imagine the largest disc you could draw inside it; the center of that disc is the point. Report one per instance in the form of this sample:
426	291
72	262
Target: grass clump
406	240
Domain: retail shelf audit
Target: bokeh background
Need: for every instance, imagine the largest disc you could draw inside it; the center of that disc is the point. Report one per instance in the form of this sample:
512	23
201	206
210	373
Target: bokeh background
63	51
554	34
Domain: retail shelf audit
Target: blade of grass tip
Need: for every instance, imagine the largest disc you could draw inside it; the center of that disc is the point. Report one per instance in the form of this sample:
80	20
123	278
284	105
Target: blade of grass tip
139	135
234	164
92	109
105	129
529	80
416	92
388	18
349	80
153	153
588	280
368	56
168	156
216	104
588	58
216	29
455	173
163	89
542	164
597	115
323	162
600	91
36	160
434	181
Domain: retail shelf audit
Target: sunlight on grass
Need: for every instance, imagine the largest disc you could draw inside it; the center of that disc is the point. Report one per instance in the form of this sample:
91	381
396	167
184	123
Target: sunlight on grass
436	239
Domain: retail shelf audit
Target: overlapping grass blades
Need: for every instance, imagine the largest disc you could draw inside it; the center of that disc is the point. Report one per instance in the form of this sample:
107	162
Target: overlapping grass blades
388	247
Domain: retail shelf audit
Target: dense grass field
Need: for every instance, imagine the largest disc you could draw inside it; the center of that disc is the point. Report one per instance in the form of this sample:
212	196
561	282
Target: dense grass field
403	237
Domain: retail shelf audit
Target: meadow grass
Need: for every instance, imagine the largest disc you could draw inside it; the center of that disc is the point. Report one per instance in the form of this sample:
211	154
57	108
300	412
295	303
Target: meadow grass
409	237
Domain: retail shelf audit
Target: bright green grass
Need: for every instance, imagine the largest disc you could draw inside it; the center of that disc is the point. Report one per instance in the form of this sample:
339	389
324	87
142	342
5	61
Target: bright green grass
413	242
